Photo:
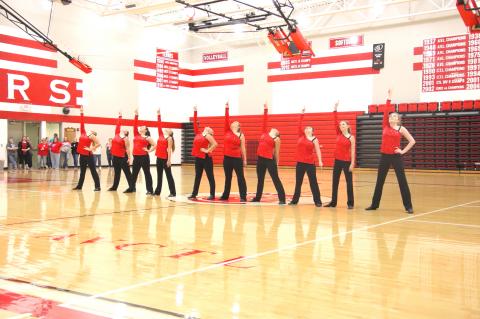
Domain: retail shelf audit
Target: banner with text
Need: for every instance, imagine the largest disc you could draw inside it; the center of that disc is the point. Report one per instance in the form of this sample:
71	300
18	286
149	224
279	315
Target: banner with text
167	69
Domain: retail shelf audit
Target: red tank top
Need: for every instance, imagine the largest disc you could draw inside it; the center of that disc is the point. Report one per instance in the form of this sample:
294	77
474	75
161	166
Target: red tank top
390	137
305	150
84	140
199	142
118	146
162	147
266	145
231	142
343	145
139	143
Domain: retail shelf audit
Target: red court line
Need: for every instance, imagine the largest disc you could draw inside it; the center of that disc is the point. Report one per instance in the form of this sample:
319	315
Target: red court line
27	43
39	307
332	59
417	66
321	74
25	116
20	58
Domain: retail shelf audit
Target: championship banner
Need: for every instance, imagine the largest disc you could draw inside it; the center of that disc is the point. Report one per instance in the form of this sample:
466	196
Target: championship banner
39	89
378	61
167	69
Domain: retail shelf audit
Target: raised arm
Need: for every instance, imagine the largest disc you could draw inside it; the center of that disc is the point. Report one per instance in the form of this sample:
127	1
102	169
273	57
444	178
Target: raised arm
300	123
265	118
335	119
386	110
227	118
135	124
82	122
119	123
159	123
195	119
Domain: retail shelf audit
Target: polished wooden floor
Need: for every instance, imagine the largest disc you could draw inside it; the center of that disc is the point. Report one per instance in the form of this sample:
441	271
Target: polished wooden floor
111	255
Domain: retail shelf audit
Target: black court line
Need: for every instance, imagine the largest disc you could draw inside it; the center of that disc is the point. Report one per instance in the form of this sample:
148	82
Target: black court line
88	215
78	293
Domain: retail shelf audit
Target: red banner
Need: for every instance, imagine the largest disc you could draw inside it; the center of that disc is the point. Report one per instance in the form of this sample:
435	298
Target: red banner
346	42
39	89
451	63
214	57
167	69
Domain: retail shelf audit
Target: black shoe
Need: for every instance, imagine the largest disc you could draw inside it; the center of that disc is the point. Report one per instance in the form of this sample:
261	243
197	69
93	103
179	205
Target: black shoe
223	198
331	204
129	190
282	202
318	204
111	189
97	189
171	195
371	208
254	200
211	197
149	193
409	210
77	189
350	206
243	200
191	197
293	203
157	192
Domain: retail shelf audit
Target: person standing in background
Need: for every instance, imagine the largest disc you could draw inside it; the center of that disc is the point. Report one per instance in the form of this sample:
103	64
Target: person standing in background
108	151
64	150
23	149
97	156
12	149
29	153
73	148
55	152
42	153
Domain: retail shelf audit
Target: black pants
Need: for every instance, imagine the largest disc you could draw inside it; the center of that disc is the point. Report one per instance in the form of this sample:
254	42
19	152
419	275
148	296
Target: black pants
300	171
109	159
119	164
25	159
231	164
162	166
264	164
386	160
202	164
86	160
338	166
143	162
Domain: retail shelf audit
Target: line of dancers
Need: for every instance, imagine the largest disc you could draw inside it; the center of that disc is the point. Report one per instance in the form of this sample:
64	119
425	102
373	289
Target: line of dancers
308	156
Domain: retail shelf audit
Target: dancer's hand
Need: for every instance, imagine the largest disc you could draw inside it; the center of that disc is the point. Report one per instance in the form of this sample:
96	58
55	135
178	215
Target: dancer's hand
399	151
389	94
335	107
265	106
320	164
303	109
244	163
136	111
81	109
195	108
158	111
204	150
350	169
169	163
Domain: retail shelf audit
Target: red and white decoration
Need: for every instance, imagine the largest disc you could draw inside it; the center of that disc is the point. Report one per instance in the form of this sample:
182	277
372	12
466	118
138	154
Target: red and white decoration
346	42
296	62
215	57
167	69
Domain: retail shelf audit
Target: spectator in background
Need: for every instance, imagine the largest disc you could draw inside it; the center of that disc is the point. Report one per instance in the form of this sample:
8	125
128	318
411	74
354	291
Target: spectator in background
74	146
42	153
55	152
108	150
97	155
23	152
12	149
64	151
29	153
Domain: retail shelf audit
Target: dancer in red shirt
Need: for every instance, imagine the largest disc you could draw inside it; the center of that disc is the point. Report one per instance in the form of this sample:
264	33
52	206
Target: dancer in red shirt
142	145
164	150
86	145
235	157
391	154
306	146
203	145
344	159
121	155
268	157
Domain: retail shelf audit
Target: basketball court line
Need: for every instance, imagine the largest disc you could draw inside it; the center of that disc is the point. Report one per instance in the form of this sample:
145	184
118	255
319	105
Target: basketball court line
257	255
443	223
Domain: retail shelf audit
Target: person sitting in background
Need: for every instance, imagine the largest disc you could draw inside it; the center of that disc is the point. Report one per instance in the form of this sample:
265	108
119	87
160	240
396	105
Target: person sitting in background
42	153
64	150
12	149
73	148
108	150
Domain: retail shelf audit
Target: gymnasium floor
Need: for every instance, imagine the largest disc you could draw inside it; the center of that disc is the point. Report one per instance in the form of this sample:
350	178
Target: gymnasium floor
66	254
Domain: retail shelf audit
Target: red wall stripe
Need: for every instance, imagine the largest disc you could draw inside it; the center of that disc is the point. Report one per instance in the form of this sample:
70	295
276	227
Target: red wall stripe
417	66
199	84
321	74
12	57
418	51
26	116
193	72
27	43
39	307
332	59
